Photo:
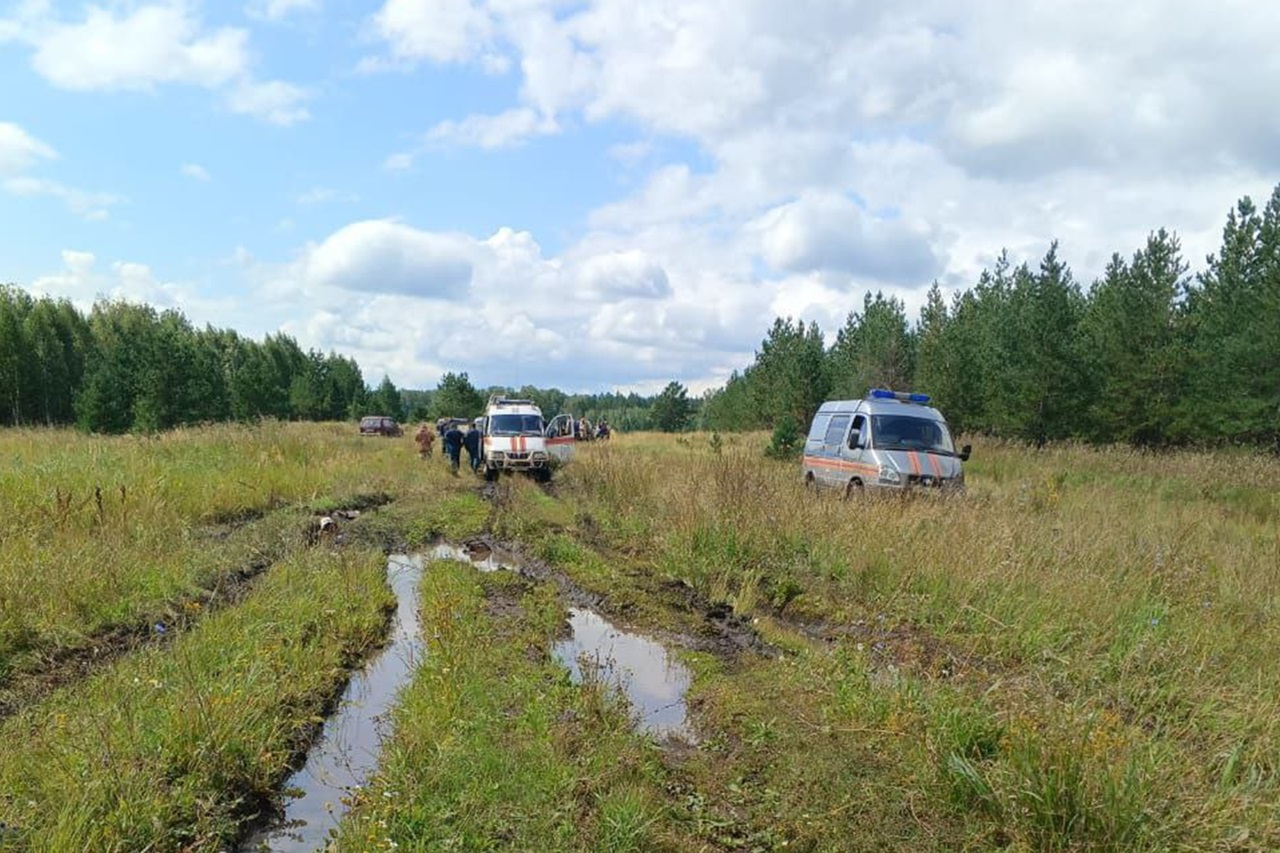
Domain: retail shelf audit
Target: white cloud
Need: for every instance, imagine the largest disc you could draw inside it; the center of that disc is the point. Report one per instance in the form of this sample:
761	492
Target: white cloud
151	45
94	206
324	195
399	162
20	150
414	303
196	172
278	10
437	31
621	275
383	256
494	131
138	47
273	101
81	282
830	232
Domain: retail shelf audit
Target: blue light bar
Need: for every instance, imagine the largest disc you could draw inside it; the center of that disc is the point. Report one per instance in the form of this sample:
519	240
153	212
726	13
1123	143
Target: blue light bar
901	396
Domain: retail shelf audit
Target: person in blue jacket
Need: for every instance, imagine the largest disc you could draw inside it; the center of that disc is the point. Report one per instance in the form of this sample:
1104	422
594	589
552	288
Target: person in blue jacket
471	441
453	439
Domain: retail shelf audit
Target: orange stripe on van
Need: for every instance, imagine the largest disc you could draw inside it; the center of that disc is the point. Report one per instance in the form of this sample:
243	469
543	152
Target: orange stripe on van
841	465
934	466
914	459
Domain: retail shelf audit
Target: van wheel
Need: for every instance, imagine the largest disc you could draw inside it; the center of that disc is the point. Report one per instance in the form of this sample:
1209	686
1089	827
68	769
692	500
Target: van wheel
490	474
810	484
854	490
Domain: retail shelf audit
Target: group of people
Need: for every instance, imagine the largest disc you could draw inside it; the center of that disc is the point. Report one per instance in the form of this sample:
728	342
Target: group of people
583	430
454	441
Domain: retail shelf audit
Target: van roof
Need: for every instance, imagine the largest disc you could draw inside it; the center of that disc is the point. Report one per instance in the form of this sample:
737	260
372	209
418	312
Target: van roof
881	407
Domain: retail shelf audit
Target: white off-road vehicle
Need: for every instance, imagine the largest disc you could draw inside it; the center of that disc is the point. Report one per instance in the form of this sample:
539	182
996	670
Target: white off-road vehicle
516	438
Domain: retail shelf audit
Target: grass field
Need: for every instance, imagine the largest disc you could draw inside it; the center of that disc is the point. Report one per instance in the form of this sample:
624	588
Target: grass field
1078	654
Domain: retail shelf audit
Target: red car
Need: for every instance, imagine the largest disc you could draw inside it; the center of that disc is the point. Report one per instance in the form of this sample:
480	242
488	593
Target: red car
379	425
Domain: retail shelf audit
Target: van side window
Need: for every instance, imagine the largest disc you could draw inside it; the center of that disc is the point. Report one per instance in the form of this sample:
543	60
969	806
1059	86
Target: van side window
856	434
819	427
835	430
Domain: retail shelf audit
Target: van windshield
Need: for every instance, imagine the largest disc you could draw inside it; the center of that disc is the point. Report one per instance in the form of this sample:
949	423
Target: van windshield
903	432
515	425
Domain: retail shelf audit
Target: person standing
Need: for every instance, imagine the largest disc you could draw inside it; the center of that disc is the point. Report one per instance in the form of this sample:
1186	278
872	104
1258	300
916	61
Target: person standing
472	442
453	439
425	438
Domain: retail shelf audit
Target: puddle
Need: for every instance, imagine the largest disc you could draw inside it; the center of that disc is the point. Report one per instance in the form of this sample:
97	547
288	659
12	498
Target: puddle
654	682
481	556
346	753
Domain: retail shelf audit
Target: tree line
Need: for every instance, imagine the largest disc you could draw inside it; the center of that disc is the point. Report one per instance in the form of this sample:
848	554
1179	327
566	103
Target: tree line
126	367
1149	355
456	396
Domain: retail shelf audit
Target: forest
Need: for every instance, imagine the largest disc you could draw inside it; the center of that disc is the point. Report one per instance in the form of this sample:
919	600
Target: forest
1149	355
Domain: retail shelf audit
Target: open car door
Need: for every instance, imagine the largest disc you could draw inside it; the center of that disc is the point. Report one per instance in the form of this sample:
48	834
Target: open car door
560	439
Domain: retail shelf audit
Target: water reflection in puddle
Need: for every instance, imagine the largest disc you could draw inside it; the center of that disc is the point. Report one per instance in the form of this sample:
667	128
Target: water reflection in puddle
481	556
346	754
653	681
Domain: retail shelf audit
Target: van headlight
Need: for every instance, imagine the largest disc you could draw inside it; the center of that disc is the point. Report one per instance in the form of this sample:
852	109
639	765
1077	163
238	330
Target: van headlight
889	474
496	455
539	454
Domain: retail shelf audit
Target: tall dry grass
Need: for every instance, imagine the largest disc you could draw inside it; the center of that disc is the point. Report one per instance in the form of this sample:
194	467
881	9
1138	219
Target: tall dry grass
1119	608
97	532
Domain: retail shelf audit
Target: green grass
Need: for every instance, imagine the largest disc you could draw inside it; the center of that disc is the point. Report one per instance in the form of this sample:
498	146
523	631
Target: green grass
1111	613
101	533
494	749
1076	655
171	747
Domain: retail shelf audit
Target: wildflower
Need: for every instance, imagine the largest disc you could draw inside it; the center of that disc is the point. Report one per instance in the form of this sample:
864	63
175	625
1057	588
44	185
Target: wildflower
159	628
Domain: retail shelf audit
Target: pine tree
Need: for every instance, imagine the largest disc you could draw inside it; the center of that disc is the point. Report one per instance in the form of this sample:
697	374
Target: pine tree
456	397
1045	387
387	401
789	376
671	410
1131	333
874	349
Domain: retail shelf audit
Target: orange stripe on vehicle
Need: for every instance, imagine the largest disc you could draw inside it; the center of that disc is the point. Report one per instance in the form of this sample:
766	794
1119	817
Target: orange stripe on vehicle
934	466
841	465
914	459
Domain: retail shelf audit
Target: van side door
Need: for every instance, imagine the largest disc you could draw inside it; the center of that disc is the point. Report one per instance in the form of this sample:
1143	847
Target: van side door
832	471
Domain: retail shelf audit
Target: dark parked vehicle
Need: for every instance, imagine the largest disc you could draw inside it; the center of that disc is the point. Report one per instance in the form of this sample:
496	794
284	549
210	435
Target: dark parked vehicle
379	425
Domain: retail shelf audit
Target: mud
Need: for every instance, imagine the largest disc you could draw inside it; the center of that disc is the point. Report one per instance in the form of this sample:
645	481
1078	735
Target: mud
654	682
905	646
479	553
346	752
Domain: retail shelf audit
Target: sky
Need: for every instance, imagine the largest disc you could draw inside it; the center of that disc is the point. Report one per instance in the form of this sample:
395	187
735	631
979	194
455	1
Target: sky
599	194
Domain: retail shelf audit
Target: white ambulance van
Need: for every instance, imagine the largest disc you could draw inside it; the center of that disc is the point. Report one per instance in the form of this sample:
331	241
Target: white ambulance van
515	438
890	440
